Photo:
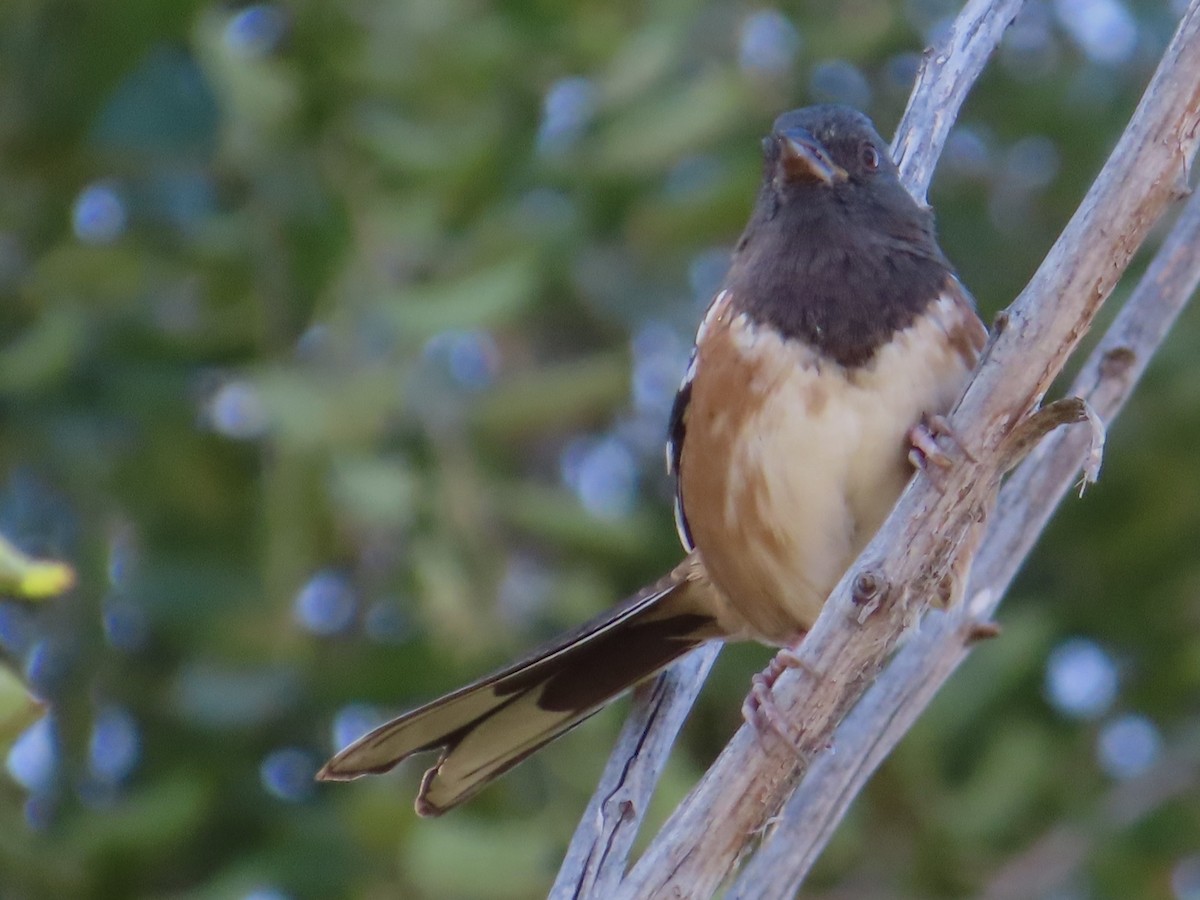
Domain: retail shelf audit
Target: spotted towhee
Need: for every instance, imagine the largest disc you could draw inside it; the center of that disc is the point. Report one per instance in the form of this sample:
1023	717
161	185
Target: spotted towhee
839	325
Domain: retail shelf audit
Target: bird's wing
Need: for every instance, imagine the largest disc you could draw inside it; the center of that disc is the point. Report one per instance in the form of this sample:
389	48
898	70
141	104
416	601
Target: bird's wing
677	423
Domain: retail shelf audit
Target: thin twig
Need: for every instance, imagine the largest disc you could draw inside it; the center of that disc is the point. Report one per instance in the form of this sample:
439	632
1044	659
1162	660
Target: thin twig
1028	499
594	865
599	850
947	74
922	550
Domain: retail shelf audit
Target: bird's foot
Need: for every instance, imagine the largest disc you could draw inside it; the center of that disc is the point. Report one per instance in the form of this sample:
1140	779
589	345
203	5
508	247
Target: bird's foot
761	711
925	454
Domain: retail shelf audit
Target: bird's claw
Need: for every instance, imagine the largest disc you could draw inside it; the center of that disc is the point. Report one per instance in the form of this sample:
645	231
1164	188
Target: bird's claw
761	711
925	454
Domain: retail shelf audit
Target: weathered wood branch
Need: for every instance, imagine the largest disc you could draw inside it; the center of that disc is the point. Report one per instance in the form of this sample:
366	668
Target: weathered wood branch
599	851
920	554
947	74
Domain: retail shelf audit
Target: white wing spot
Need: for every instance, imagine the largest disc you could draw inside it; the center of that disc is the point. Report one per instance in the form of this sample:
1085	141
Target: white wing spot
713	310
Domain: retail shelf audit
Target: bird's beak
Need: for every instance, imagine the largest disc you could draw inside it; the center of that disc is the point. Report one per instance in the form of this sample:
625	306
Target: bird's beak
803	158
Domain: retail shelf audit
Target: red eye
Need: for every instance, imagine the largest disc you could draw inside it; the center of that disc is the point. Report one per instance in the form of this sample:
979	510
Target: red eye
870	157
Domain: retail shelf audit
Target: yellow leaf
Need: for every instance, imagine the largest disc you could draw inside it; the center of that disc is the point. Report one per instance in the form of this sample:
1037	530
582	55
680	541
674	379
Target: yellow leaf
32	579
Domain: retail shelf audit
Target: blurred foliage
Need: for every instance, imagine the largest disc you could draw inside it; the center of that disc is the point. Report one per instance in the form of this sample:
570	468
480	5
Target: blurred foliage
336	346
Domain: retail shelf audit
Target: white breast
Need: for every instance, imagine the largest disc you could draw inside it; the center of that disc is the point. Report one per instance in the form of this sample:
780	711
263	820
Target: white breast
815	459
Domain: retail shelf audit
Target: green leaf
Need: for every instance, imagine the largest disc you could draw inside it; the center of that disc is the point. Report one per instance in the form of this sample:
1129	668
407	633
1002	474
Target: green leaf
463	858
18	710
380	492
43	354
675	124
559	397
313	410
486	298
554	516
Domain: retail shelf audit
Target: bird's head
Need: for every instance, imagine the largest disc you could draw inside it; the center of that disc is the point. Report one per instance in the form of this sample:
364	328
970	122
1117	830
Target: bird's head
827	147
825	169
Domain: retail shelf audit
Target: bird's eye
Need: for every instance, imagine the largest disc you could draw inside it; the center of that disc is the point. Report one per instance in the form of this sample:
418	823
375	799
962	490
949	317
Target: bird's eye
870	157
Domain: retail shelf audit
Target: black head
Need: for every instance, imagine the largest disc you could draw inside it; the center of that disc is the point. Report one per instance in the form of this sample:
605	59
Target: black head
827	153
837	252
826	145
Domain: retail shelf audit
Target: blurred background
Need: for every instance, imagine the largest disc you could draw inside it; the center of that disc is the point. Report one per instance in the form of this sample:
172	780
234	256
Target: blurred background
336	346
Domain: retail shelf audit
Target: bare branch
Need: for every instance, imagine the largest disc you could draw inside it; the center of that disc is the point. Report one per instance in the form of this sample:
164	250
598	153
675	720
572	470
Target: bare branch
1028	499
948	73
597	855
596	860
924	546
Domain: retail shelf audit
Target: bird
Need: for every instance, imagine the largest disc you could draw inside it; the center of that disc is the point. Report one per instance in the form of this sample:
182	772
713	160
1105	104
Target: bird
838	330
